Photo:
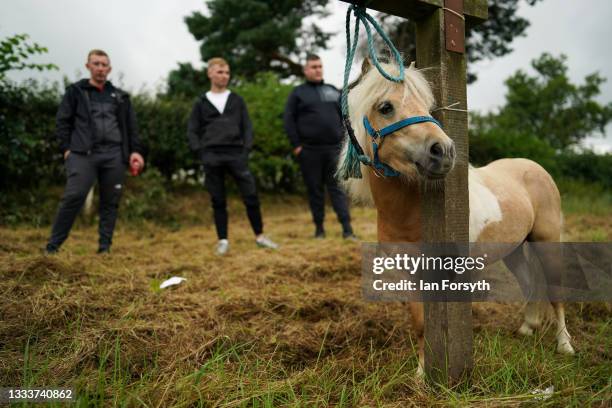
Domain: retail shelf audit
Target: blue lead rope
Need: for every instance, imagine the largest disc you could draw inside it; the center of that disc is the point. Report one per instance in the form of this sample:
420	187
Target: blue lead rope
355	155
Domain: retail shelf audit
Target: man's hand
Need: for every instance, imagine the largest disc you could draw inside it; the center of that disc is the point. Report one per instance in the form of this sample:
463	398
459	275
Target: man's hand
66	154
136	163
297	151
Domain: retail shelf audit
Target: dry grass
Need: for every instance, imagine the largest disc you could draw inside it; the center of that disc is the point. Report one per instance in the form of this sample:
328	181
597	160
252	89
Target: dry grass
259	327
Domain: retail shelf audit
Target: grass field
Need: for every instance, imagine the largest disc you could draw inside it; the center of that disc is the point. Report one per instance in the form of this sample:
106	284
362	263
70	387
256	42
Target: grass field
260	327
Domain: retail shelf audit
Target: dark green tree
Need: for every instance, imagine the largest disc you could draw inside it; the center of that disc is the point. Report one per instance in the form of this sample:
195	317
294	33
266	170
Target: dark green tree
488	40
253	36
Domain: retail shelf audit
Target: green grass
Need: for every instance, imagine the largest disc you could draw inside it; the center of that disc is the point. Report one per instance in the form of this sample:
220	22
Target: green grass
583	198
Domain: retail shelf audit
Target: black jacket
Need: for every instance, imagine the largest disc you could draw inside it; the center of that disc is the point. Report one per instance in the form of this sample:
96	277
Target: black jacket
76	130
313	117
210	131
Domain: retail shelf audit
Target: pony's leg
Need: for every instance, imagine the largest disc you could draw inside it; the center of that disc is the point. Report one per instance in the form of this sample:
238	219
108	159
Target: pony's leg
417	312
551	259
533	319
518	265
564	344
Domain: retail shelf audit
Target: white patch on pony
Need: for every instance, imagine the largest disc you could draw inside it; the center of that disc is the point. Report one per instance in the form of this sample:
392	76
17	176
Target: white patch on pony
484	207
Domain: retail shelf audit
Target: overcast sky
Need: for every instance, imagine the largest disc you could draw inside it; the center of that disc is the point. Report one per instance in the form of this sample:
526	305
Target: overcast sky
146	39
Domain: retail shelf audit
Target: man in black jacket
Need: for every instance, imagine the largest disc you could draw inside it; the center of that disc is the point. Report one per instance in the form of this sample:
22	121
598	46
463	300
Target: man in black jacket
220	132
98	137
313	122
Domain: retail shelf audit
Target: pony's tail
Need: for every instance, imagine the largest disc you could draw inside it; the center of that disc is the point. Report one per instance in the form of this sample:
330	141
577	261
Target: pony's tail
351	165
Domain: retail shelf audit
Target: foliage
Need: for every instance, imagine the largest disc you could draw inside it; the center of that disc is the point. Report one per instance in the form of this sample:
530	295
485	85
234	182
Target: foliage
488	143
28	155
14	52
254	36
270	160
550	106
163	127
488	40
186	81
586	166
544	118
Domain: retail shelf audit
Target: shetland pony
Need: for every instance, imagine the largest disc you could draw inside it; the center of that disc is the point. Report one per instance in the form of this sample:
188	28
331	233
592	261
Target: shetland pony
510	200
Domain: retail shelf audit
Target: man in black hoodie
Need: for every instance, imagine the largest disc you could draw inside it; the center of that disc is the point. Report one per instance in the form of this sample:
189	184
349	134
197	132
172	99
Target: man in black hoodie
98	137
313	122
221	134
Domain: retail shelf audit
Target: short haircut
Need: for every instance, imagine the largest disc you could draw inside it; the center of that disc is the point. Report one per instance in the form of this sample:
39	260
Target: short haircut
98	52
216	61
312	57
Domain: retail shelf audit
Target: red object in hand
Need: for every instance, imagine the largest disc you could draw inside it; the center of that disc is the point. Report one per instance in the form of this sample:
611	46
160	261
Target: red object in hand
135	167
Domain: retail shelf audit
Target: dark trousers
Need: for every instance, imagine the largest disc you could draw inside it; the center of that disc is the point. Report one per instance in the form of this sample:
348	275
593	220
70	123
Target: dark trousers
318	168
105	165
215	184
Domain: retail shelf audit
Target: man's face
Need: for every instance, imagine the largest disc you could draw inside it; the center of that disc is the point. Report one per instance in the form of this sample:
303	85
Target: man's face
313	71
99	67
219	75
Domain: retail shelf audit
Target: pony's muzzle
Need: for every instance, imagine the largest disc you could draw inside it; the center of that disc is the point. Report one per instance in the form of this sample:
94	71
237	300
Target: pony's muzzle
439	160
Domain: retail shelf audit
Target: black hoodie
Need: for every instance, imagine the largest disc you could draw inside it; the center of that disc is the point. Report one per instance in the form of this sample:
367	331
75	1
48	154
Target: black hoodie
312	116
75	126
229	132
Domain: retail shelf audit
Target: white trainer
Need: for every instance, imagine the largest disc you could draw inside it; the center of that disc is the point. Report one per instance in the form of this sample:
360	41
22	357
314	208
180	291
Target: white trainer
222	246
265	242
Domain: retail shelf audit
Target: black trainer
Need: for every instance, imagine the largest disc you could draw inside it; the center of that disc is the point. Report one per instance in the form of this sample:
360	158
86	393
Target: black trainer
104	250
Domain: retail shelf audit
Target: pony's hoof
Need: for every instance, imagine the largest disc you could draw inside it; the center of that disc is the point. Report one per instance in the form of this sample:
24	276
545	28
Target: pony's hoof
565	348
420	373
525	330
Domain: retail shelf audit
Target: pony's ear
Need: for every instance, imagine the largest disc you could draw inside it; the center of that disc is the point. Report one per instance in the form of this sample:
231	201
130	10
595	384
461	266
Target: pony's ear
412	65
365	66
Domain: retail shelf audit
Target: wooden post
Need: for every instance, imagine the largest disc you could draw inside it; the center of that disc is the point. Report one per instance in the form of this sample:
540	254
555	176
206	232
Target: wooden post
439	42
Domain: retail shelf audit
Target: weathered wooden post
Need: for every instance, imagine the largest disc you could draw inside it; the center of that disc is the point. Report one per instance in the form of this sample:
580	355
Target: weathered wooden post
440	44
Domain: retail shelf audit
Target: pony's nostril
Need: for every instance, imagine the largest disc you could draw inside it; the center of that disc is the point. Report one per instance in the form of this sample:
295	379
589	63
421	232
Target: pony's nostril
436	150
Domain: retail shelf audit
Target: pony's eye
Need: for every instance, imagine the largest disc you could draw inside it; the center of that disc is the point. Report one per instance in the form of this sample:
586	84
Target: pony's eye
385	108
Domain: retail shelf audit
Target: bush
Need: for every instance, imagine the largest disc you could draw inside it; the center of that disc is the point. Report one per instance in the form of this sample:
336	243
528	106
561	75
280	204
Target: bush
28	154
587	166
488	143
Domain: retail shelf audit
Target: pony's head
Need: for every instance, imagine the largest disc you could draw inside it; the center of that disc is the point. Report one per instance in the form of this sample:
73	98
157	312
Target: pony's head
421	150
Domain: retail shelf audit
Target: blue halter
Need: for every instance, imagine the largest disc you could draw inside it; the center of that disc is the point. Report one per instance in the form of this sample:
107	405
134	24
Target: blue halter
387	170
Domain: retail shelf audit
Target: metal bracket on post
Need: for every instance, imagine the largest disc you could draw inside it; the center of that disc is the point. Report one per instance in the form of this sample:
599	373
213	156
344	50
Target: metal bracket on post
454	26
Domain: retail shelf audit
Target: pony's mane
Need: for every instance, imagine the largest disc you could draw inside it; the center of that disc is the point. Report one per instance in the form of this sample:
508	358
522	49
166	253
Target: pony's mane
371	88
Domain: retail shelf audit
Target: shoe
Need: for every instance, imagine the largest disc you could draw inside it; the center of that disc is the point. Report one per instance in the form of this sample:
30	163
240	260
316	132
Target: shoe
103	250
50	250
222	247
265	242
350	236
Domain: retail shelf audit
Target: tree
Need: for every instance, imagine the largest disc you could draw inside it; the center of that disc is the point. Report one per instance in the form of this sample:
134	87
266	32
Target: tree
14	52
552	108
488	40
544	115
255	36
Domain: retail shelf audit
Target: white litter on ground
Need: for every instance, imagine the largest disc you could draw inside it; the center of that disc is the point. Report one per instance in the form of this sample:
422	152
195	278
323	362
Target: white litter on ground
175	280
543	394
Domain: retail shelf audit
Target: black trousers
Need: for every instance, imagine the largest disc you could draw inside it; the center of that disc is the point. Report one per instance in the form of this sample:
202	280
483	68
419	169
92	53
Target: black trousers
318	168
215	184
107	166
